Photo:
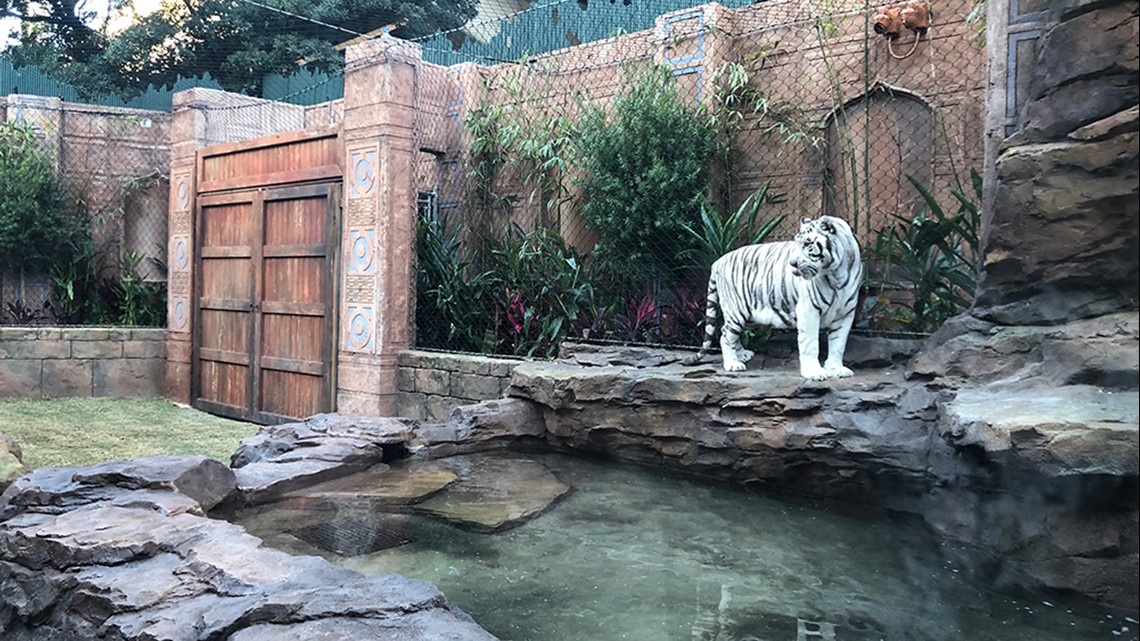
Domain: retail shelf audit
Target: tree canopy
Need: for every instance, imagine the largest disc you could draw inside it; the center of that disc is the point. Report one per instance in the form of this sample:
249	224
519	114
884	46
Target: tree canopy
236	41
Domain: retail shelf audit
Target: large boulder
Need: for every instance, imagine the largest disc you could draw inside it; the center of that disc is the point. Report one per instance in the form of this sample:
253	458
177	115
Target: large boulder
498	424
1086	69
1060	241
1076	430
968	352
202	480
120	551
281	458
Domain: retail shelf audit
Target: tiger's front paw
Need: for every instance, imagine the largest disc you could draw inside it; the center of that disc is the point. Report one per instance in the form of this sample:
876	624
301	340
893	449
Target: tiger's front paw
745	355
814	373
733	366
839	371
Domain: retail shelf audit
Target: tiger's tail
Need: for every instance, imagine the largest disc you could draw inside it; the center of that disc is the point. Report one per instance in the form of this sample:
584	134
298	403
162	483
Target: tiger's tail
712	310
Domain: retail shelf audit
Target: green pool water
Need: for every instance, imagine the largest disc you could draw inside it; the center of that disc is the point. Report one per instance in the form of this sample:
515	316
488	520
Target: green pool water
635	554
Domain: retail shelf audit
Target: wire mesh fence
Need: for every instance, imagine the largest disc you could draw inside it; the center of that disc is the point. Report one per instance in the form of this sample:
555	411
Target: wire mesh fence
584	192
582	164
110	179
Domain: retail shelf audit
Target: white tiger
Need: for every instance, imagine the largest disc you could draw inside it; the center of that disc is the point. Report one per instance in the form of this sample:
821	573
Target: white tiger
810	283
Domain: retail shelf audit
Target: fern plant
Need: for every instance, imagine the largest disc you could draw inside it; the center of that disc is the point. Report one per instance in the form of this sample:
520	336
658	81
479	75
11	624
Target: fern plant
452	296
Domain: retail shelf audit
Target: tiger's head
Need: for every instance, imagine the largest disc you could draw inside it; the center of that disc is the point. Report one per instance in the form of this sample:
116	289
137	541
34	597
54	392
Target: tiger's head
822	244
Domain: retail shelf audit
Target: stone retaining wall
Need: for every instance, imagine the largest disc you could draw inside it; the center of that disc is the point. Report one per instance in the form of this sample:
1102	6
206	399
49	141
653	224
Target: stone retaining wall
54	362
431	384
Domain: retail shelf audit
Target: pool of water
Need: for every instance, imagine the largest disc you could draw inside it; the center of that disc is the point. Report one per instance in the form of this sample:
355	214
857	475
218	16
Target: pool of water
634	554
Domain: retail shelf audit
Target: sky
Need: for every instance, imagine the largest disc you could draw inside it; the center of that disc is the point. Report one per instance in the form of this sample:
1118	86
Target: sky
100	7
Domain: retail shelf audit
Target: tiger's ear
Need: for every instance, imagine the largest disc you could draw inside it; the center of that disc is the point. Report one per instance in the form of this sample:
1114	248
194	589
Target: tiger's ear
828	227
805	220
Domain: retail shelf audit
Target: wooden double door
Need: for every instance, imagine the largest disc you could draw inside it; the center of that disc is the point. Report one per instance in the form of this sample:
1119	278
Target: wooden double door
265	327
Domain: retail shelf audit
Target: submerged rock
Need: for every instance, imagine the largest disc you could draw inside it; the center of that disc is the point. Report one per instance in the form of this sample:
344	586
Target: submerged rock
368	511
495	492
404	482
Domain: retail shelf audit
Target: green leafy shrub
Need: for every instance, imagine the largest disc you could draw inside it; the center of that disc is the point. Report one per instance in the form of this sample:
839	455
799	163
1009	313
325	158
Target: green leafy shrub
646	163
131	299
35	232
932	258
76	282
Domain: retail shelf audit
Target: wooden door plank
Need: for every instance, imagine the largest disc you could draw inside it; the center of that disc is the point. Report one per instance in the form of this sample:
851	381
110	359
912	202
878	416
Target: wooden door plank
293	309
225	304
295	251
224	356
300	236
225	251
312	368
258	211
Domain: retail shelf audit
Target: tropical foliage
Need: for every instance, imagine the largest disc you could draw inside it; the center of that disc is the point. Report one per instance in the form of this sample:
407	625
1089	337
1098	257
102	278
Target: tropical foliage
932	258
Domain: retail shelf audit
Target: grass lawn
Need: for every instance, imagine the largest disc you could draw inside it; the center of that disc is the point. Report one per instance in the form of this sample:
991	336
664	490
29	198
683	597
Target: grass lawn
83	431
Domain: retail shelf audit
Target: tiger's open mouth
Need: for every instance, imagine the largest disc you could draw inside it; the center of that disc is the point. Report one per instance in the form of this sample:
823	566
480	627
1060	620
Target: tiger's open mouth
805	271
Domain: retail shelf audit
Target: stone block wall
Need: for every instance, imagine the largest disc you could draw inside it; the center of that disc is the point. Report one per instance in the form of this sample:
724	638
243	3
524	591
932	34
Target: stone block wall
431	384
59	362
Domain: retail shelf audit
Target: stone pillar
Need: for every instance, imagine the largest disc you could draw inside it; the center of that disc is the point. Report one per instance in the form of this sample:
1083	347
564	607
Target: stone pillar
44	115
1012	30
185	138
377	279
202	117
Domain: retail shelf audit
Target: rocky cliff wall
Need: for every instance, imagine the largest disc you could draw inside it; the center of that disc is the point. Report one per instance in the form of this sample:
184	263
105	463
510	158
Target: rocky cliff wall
1060	242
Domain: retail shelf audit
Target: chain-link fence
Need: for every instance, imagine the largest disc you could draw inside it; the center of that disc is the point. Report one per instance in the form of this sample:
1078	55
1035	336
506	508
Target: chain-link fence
111	165
583	193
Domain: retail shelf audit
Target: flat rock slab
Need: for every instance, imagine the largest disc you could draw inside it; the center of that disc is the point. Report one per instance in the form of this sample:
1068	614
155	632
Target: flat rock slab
495	492
1060	431
266	480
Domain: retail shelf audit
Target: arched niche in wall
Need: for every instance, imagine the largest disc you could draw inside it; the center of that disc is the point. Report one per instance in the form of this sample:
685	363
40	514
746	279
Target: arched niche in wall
873	143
